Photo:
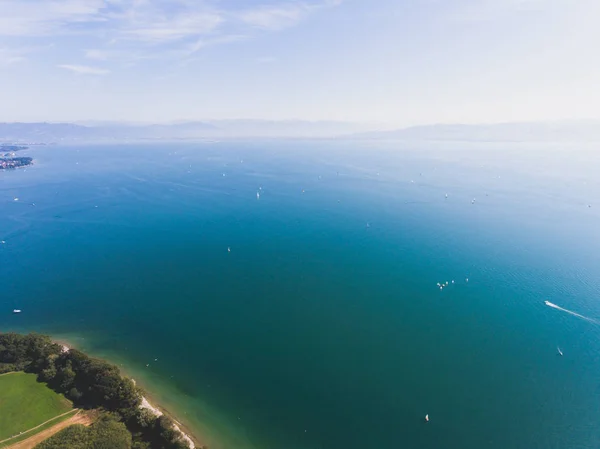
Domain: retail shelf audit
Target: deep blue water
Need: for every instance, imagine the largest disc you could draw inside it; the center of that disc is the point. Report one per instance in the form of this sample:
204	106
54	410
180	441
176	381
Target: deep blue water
323	327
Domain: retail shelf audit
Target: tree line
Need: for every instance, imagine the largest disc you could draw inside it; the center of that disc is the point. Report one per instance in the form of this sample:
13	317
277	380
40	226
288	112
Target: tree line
91	384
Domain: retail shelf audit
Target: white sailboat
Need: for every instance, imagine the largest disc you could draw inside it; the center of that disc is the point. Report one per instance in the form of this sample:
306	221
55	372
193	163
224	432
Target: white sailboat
559	351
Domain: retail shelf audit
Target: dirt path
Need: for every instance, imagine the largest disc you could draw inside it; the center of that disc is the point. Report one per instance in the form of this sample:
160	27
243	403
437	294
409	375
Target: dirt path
31	442
39	425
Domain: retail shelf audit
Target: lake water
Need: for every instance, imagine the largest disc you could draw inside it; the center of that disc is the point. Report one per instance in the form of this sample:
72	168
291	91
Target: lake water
323	327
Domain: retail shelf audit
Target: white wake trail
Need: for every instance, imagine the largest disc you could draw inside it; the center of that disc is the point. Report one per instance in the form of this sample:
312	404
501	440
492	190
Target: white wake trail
554	306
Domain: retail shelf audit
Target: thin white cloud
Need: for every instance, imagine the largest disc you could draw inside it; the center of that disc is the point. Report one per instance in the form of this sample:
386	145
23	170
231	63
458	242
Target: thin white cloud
285	15
275	17
41	18
148	20
486	10
173	29
125	57
153	20
9	56
84	69
14	55
10	60
208	42
127	31
99	55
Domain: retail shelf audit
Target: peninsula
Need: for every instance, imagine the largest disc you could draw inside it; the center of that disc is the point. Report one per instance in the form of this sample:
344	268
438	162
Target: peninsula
81	401
7	163
12	148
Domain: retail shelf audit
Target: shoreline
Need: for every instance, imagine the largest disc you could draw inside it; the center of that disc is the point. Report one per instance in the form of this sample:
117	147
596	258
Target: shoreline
157	411
147	402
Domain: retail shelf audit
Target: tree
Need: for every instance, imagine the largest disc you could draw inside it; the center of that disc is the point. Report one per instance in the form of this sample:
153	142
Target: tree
74	394
106	433
145	419
141	445
90	383
66	377
73	437
26	352
49	373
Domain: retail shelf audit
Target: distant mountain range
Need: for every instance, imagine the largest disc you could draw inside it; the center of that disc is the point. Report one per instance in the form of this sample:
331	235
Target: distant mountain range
221	129
564	131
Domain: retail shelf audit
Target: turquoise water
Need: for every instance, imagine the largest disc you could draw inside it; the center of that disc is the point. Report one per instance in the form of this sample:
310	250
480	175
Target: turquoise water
323	327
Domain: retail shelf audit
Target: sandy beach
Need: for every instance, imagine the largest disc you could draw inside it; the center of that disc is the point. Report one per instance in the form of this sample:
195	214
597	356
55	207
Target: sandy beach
157	412
147	405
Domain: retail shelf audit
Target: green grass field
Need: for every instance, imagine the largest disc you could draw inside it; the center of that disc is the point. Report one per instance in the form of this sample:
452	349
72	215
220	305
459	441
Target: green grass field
24	436
26	403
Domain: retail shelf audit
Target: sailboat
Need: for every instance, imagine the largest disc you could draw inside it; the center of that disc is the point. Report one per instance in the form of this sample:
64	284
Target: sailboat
427	418
559	351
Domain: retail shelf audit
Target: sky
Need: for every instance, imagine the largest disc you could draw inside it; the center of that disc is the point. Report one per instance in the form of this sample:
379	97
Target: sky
393	62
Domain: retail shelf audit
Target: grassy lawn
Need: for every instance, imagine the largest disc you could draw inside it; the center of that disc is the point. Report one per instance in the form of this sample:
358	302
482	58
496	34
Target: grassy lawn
48	425
26	403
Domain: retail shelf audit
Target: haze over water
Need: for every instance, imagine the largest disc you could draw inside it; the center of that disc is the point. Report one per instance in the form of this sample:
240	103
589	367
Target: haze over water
324	326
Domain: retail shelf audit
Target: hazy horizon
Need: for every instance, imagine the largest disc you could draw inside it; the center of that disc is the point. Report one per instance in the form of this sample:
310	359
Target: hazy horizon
48	132
209	120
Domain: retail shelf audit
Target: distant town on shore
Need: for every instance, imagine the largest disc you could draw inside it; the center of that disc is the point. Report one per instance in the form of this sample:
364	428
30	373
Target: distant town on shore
9	159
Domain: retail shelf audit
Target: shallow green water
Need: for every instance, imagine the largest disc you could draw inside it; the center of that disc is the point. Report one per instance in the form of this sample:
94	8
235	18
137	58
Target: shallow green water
323	327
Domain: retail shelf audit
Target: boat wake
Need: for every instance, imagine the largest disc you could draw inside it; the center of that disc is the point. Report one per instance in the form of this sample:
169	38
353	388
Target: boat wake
570	312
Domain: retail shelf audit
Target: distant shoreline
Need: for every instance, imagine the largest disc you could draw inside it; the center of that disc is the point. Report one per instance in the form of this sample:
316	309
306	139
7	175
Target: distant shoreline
148	402
12	163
